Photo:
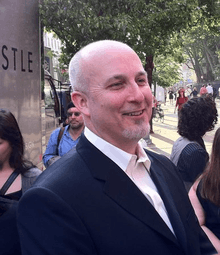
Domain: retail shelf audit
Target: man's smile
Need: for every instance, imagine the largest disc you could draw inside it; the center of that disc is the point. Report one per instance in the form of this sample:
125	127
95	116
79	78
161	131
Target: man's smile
136	113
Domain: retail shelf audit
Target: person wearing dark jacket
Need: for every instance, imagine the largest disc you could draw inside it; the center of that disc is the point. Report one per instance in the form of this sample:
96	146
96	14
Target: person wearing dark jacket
194	93
197	116
109	196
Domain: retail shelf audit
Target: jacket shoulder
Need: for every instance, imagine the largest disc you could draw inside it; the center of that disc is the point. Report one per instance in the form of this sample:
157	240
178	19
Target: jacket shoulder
159	157
61	171
165	165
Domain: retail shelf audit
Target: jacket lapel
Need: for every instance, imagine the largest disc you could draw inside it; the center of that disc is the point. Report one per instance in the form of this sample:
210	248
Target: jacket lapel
125	193
164	191
121	189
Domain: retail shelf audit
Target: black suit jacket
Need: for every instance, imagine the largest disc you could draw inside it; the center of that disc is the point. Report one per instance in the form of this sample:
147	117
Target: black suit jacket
85	204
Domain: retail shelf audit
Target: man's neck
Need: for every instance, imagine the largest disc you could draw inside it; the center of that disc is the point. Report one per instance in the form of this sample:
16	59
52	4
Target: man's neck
129	146
6	170
75	133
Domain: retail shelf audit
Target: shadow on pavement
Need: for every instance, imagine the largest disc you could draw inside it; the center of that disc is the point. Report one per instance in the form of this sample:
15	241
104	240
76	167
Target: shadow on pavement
157	150
165	139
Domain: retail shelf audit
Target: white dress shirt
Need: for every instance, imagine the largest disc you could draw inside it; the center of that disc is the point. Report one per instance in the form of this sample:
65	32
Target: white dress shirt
137	167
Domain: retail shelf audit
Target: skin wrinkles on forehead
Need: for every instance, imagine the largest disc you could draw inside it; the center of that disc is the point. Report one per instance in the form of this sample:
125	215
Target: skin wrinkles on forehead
115	78
105	55
122	77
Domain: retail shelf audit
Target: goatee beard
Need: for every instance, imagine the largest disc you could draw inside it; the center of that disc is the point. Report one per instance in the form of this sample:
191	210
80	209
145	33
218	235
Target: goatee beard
76	127
137	133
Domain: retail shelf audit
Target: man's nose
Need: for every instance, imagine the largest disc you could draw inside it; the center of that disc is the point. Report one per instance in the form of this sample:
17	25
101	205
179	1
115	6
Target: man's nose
136	93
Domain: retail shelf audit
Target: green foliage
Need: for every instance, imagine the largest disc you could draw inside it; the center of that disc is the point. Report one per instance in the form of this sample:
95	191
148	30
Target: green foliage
167	71
201	44
150	27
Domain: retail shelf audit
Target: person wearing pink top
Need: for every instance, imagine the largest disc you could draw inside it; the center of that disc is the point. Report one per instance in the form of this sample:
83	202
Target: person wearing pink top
203	91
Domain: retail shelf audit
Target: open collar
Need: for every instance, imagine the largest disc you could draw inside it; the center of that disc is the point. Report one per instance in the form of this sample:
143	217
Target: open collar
120	157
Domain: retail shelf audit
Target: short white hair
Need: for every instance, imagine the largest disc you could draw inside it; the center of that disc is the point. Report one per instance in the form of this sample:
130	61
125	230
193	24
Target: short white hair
79	75
75	73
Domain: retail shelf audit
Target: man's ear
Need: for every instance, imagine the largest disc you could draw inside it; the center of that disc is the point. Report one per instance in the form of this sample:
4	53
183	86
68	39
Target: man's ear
80	101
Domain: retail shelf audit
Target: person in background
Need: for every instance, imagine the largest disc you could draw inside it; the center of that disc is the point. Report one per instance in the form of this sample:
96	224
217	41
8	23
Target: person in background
165	96
181	99
65	138
171	94
16	176
154	105
203	91
205	195
197	116
210	90
187	92
174	93
194	93
109	196
215	93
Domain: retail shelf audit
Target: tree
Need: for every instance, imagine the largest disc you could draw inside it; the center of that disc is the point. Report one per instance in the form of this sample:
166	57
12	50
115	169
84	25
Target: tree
145	25
202	47
167	71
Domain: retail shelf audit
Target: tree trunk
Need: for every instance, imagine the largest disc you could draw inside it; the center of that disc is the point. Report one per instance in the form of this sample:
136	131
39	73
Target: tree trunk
149	68
209	66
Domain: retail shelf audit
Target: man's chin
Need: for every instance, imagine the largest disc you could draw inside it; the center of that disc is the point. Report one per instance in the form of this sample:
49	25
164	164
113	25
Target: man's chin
136	133
74	126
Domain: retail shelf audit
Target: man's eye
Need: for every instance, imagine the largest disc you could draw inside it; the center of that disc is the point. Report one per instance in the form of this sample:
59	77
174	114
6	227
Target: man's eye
116	85
142	81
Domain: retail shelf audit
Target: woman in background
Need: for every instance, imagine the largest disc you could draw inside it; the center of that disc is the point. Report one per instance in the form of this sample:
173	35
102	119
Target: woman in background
197	116
205	196
181	99
16	176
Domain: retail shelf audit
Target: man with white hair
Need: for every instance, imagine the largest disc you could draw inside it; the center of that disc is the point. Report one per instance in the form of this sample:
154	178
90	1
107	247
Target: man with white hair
109	196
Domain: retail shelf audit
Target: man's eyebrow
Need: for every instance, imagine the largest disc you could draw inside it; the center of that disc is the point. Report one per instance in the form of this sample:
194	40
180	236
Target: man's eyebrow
142	73
121	76
115	77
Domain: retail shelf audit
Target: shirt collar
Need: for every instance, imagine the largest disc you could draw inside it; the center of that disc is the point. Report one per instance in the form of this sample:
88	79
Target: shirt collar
120	157
66	131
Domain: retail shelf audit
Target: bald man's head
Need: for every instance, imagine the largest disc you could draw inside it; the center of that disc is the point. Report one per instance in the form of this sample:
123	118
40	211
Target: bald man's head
83	66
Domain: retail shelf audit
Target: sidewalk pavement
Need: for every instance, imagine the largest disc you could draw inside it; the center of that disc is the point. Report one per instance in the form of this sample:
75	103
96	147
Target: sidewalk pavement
165	134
